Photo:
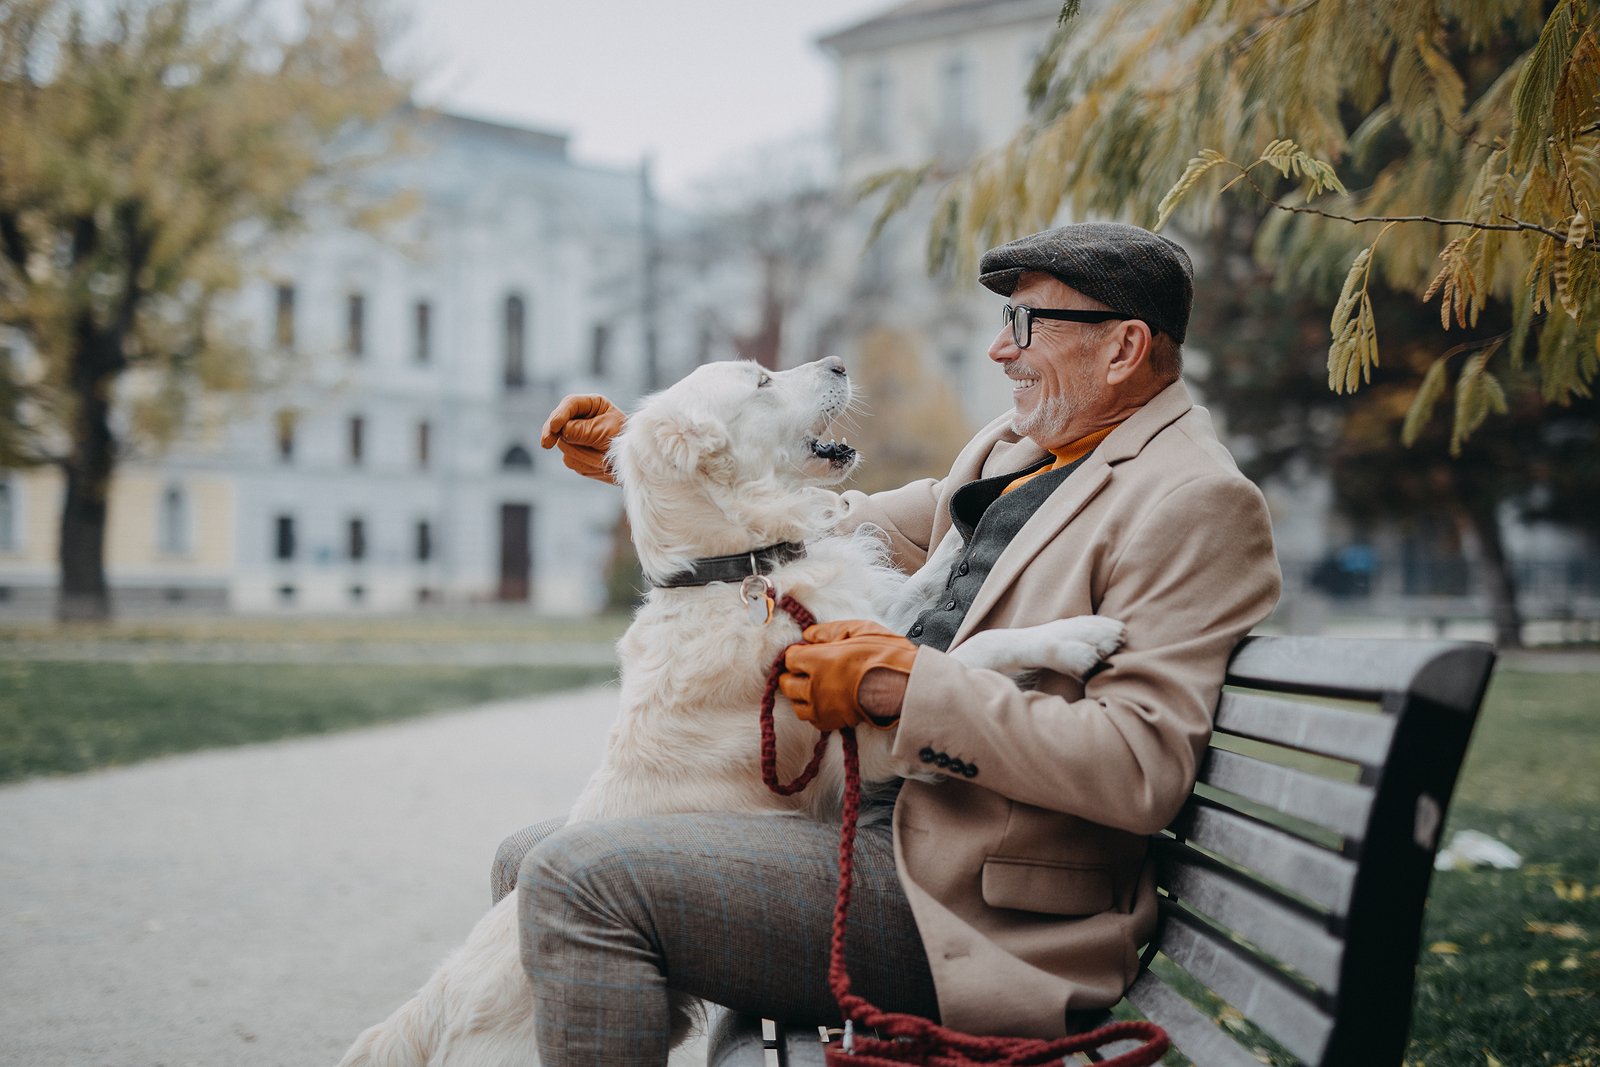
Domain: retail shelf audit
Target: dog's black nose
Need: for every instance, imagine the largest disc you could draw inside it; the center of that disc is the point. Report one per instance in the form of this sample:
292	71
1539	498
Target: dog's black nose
834	363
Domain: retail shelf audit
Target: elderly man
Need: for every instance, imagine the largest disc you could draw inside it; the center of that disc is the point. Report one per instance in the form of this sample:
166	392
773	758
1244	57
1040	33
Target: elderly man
1012	895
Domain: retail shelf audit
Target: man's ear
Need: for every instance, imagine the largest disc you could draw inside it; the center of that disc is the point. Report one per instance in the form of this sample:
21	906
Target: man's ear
1132	338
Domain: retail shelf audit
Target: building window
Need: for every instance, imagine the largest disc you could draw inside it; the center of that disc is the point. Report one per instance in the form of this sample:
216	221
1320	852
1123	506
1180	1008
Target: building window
874	129
283	315
285	540
355	324
599	349
172	538
424	541
424	443
286	594
517	458
356	546
358	593
284	423
358	439
8	518
956	86
422	332
515	329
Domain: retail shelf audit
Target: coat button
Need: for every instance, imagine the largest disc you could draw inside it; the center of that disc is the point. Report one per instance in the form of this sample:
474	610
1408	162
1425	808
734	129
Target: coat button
950	606
957	767
915	631
941	760
970	770
963	568
926	755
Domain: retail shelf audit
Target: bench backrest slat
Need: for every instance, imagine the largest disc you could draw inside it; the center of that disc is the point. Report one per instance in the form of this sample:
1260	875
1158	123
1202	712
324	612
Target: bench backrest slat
1194	1033
1284	1012
1294	935
1306	870
1342	807
1360	737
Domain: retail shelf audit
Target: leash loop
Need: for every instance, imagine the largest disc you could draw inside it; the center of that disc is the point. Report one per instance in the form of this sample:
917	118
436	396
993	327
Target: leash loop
911	1039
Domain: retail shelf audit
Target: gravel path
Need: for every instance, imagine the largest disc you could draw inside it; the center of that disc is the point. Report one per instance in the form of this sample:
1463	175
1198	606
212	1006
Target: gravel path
260	906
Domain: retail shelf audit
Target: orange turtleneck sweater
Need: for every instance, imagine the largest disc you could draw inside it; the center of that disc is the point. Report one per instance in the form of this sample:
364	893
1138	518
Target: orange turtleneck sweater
1066	454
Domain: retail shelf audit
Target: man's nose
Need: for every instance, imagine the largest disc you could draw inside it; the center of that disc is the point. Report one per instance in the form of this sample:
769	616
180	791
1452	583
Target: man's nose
1004	347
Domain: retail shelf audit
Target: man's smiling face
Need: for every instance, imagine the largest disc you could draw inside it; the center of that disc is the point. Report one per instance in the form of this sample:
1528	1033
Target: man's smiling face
1058	381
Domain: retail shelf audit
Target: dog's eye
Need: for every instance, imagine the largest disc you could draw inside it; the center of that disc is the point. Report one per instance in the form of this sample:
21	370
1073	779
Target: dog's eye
763	381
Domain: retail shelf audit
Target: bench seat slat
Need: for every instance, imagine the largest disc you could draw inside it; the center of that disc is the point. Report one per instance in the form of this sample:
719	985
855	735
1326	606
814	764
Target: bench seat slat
1361	737
1337	806
1201	1039
1293	937
1258	992
1323	877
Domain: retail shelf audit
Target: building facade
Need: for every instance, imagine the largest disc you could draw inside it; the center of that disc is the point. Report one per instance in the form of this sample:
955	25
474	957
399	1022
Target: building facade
391	457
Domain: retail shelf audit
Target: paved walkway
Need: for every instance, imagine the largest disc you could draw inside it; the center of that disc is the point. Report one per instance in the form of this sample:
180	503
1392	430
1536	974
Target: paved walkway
260	906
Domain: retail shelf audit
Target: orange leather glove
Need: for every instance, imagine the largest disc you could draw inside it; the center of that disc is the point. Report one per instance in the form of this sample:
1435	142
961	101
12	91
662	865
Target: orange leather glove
822	677
582	426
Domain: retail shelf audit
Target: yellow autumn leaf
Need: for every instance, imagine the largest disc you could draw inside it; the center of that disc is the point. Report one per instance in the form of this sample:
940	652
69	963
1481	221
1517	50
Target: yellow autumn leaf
1445	948
1563	931
1490	1060
1539	966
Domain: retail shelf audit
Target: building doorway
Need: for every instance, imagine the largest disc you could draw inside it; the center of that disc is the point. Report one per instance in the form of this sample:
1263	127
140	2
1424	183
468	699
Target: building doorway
516	552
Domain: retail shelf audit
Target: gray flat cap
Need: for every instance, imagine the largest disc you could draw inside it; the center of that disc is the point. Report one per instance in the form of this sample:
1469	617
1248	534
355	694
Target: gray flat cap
1126	268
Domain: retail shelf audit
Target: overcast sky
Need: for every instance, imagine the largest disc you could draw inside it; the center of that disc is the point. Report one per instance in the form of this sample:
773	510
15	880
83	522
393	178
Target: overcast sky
696	84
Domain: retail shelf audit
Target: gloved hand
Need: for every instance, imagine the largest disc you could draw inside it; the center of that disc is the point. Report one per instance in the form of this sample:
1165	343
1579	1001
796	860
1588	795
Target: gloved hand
582	426
822	677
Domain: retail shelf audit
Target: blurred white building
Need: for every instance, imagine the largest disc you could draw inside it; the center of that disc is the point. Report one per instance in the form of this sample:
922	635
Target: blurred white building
939	81
394	460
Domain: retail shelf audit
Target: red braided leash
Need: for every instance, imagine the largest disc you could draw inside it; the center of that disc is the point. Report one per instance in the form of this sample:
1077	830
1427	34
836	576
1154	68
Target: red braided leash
911	1039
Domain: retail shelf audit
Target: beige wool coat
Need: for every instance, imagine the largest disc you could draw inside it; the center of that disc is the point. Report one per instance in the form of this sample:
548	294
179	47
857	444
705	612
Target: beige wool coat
1028	879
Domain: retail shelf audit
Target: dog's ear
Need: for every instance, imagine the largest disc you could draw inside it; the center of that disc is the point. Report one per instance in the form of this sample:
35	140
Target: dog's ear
691	444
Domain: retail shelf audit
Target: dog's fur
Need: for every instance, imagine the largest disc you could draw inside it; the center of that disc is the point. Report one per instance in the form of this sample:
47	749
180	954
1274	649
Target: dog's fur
730	459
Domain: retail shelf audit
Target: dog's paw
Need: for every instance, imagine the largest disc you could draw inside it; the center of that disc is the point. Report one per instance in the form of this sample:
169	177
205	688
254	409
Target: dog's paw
1102	634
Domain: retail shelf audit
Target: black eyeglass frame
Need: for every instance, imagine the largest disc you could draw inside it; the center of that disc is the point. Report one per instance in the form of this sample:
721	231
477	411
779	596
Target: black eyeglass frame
1020	318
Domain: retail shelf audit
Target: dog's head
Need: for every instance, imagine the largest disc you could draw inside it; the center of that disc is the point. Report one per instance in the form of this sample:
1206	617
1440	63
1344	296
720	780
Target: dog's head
731	458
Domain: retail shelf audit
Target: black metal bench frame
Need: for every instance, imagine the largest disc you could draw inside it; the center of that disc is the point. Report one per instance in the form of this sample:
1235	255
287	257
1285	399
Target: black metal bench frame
1294	880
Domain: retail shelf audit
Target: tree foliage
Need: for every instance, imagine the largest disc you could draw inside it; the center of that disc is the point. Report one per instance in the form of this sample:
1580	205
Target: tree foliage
1445	148
142	144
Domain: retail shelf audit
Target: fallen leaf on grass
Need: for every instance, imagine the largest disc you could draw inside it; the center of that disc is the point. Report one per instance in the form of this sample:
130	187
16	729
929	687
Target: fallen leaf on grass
1445	948
1539	966
1490	1060
1571	891
1564	931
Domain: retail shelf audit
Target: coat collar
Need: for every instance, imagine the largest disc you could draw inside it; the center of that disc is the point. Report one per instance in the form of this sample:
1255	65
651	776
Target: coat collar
1082	485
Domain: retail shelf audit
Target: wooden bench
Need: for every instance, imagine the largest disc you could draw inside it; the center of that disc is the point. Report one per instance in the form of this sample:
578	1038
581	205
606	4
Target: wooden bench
1293	882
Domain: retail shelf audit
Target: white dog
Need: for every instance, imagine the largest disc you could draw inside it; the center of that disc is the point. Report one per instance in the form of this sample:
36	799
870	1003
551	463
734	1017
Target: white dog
731	460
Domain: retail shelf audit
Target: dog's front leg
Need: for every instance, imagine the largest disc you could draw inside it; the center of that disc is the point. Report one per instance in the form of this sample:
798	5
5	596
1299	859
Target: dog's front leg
1066	646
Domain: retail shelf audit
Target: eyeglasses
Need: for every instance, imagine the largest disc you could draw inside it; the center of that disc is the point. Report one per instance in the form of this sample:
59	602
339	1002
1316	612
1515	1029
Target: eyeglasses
1020	318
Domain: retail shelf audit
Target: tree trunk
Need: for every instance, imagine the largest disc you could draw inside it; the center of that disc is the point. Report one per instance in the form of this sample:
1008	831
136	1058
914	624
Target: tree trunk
83	593
1482	521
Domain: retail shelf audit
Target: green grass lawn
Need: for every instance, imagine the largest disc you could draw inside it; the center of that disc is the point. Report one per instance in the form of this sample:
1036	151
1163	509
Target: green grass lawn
58	717
1510	966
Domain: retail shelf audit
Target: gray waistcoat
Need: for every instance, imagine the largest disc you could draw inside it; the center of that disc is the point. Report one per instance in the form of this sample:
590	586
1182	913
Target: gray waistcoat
988	518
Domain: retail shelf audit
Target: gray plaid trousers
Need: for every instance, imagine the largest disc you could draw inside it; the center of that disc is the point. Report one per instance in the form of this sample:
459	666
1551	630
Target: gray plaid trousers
734	909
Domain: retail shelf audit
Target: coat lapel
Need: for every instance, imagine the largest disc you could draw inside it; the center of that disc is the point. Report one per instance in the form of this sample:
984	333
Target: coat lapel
1070	498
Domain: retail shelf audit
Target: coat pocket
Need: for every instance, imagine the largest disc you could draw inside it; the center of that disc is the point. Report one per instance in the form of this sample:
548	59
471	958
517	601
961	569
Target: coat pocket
1051	889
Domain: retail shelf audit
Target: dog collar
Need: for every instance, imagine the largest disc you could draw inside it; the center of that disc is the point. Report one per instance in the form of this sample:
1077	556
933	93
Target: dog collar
736	567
